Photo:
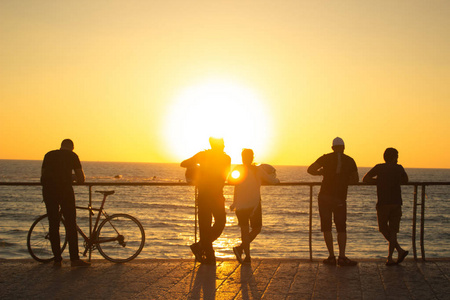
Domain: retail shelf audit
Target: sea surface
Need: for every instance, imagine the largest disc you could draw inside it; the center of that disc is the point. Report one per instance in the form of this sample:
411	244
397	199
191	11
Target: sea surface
167	212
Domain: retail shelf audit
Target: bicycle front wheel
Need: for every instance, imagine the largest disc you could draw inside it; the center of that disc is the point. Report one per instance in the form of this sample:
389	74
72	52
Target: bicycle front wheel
38	239
120	238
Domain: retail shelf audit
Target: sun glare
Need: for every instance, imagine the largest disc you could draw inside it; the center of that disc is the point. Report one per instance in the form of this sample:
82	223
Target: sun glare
218	109
235	174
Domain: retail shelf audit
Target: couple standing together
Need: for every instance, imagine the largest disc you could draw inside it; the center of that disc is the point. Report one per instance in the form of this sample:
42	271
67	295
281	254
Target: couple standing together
338	171
213	169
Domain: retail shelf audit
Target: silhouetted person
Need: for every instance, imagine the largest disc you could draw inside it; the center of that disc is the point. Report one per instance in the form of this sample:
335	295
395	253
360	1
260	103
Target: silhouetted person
56	179
388	177
247	200
338	171
213	167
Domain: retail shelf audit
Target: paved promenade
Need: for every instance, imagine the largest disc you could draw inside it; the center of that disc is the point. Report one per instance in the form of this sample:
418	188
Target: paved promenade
264	279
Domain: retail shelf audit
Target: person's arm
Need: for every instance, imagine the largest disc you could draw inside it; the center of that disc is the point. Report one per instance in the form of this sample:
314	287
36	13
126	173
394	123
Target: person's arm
316	168
79	175
354	177
190	162
404	177
370	176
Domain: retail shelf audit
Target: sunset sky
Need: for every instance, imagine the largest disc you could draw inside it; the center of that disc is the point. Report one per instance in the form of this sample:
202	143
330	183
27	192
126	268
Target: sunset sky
150	81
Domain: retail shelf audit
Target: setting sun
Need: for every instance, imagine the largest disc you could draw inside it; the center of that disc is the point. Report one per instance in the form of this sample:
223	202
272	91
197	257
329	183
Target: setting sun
219	109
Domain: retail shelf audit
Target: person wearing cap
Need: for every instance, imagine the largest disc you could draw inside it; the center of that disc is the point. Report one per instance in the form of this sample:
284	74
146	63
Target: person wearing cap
338	171
388	177
213	168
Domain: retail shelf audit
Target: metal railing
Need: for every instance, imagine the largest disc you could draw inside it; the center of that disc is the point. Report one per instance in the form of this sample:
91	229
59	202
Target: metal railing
311	186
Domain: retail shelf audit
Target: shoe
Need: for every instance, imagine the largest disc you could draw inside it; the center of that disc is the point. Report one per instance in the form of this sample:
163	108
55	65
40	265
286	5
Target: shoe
210	258
196	249
390	263
331	260
402	257
79	263
345	262
247	260
238	252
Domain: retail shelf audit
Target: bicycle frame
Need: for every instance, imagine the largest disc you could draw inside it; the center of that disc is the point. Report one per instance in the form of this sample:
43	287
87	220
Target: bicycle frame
91	239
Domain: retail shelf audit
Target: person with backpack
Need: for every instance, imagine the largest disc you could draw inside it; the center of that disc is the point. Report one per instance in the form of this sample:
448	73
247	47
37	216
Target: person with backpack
247	179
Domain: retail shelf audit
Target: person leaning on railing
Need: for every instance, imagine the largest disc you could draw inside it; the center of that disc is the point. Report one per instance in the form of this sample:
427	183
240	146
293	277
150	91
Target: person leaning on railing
57	191
388	177
338	171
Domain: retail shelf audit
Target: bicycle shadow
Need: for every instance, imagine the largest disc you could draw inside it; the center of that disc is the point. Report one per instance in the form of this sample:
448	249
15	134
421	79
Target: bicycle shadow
204	286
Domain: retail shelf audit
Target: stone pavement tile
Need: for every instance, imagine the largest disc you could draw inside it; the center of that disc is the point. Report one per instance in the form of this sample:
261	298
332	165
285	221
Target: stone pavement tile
248	288
437	280
393	283
444	266
348	283
170	284
282	279
186	284
263	274
304	281
415	281
371	284
326	282
163	278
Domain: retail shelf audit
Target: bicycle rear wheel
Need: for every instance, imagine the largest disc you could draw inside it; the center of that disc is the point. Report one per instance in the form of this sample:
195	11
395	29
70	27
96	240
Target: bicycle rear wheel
38	240
120	238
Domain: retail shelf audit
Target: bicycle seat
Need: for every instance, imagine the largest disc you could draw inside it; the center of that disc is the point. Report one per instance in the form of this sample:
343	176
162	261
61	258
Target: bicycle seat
106	193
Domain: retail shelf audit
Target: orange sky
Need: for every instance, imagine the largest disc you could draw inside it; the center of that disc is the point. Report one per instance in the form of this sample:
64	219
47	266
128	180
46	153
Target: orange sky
284	78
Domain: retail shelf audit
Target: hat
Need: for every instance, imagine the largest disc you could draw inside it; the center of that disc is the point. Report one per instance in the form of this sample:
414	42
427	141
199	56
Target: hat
338	142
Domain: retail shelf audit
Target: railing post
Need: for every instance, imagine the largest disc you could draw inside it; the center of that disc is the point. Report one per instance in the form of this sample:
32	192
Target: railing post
90	222
422	224
310	221
414	223
196	212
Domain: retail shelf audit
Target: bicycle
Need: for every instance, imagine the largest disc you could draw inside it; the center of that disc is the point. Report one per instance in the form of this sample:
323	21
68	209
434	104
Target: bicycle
119	238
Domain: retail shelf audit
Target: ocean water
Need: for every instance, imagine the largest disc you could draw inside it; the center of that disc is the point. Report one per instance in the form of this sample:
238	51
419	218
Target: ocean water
167	212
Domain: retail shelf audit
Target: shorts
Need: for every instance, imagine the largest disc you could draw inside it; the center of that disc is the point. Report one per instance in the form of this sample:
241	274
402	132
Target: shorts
328	209
389	217
250	215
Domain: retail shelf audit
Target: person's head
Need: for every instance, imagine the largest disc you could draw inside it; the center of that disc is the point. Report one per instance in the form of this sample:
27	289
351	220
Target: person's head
216	143
247	156
67	144
390	155
338	145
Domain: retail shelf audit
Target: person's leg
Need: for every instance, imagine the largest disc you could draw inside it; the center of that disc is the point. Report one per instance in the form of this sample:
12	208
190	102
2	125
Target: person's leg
340	220
255	223
328	237
220	218
204	224
245	240
325	213
394	227
52	206
342	242
70	216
